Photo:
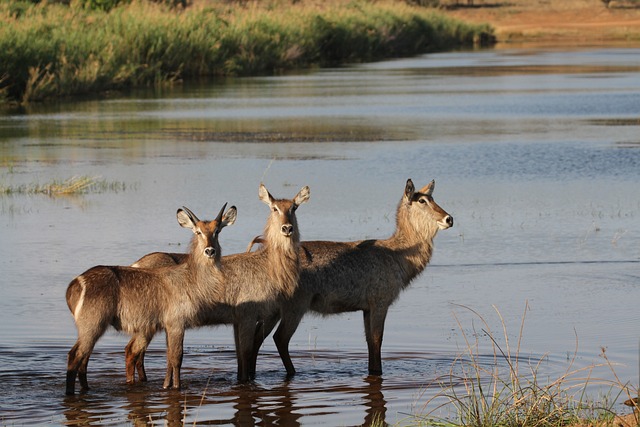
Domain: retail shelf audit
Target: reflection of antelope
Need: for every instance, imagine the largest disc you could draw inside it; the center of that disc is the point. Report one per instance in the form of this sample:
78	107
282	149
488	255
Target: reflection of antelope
142	302
255	283
366	275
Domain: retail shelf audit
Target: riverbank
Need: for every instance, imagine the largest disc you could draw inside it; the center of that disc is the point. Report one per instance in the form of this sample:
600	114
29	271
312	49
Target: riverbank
53	51
560	23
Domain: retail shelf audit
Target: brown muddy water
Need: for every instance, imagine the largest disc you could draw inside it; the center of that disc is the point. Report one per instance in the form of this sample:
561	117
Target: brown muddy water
536	154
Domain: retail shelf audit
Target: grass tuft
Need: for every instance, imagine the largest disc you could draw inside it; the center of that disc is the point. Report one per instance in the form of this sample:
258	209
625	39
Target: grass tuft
506	389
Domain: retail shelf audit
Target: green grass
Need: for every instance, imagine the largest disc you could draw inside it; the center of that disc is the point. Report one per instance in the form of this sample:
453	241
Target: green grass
53	50
509	391
73	186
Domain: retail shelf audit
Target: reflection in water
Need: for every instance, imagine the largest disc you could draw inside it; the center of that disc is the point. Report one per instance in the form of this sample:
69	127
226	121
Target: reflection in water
142	407
374	401
252	405
170	408
255	405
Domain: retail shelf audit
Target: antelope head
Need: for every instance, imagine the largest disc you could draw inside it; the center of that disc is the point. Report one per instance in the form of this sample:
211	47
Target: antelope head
421	203
206	232
283	212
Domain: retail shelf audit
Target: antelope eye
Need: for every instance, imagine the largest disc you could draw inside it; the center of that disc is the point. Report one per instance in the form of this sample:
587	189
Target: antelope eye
275	209
198	233
423	201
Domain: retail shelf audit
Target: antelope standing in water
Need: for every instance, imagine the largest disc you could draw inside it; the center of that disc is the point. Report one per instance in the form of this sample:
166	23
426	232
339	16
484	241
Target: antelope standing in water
142	302
366	275
256	283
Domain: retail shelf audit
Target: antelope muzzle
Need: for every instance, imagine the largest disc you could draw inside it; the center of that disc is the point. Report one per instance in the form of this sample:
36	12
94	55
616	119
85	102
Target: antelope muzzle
287	230
446	222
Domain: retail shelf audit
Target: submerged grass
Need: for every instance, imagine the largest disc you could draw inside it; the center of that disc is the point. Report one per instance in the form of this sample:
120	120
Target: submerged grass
508	390
54	50
72	186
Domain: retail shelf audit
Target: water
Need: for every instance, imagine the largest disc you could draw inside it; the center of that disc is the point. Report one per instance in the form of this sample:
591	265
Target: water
536	154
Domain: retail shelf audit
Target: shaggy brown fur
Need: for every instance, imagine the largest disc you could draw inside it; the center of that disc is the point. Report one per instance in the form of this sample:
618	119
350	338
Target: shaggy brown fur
256	282
366	275
142	302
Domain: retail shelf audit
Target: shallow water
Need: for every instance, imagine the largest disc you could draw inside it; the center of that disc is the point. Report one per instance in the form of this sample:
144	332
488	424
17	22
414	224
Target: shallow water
535	153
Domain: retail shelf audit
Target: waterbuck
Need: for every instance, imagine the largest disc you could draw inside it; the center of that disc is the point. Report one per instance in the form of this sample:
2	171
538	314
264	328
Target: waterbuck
142	302
256	283
367	275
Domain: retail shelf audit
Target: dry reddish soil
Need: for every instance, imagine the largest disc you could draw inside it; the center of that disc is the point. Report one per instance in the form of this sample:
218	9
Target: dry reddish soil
560	22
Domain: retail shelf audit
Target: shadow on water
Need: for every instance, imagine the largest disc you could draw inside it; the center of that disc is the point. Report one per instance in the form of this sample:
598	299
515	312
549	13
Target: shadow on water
286	403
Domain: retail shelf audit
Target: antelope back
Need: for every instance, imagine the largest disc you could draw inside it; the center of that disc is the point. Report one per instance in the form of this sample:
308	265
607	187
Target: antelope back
159	259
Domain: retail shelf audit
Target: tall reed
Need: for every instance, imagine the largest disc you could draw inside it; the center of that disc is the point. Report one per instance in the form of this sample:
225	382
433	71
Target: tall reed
505	388
53	50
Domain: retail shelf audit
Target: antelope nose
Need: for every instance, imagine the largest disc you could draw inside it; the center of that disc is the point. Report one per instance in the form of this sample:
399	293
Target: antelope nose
449	220
210	252
287	229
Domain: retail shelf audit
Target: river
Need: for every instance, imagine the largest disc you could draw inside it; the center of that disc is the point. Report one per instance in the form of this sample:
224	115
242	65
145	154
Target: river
535	153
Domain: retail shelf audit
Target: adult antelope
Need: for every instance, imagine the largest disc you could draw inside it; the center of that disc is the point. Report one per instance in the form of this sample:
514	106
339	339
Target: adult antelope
366	275
142	302
256	283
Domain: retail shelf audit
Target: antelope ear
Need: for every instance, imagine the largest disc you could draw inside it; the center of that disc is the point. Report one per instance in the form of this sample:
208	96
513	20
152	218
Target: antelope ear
230	217
409	189
302	196
186	218
428	189
264	195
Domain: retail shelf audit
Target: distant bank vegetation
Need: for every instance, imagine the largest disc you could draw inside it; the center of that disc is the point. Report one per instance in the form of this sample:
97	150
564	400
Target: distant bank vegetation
52	50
